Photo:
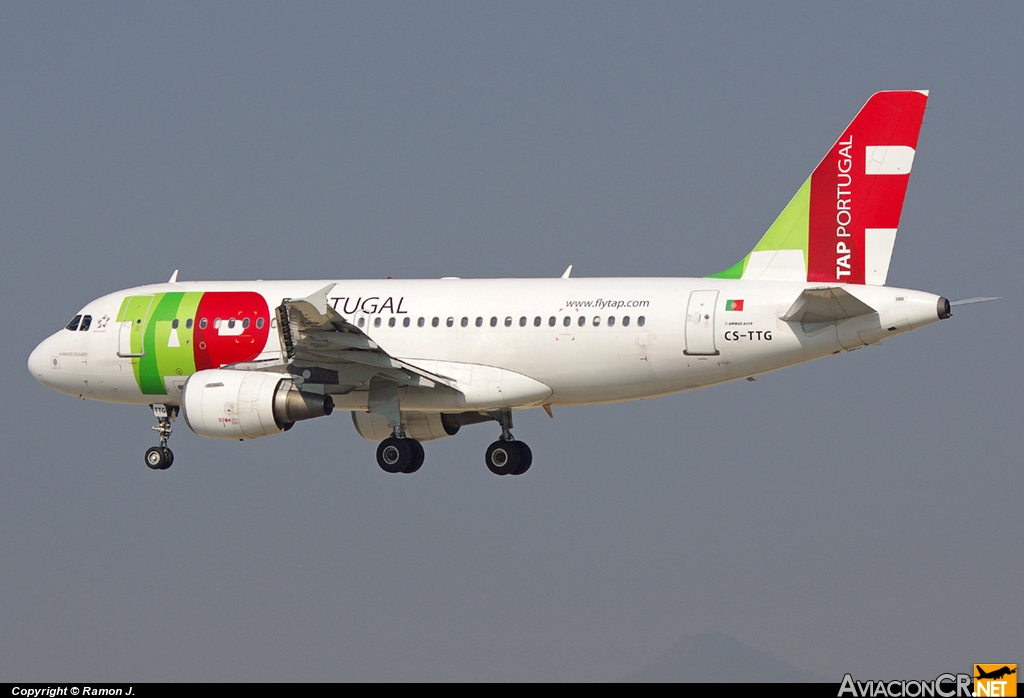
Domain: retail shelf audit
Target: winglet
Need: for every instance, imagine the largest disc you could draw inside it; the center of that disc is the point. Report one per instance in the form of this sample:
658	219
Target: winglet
174	277
318	299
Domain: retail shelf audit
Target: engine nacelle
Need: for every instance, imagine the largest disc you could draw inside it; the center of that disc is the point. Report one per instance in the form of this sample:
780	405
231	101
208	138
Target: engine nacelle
422	426
240	405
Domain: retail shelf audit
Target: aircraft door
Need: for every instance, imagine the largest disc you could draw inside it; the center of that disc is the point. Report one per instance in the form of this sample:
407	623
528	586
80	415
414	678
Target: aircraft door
700	324
133	324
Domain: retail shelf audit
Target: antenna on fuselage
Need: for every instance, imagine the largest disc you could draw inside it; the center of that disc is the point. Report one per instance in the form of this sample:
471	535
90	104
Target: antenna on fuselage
174	277
568	270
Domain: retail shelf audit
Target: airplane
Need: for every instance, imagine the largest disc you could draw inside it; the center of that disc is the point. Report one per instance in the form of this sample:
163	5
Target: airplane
995	673
416	360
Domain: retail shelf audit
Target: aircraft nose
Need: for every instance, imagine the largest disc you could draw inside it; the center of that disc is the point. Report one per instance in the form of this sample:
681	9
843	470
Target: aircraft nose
39	361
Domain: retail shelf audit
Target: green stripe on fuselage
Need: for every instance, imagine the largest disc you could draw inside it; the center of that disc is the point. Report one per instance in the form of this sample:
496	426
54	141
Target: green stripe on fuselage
168	350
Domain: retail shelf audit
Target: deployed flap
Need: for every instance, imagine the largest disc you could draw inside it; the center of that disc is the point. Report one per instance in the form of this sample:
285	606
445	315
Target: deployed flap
818	307
315	336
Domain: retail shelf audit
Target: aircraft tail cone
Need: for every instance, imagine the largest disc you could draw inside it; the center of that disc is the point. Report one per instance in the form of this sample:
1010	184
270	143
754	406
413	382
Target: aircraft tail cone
943	308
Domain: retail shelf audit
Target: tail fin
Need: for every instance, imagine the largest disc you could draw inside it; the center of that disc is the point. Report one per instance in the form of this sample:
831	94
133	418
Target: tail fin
841	225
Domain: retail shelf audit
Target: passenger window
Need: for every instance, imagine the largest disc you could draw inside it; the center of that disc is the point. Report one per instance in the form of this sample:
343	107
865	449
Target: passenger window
551	321
421	322
479	322
202	324
494	322
566	320
245	323
536	321
73	325
174	324
216	323
405	322
522	321
361	322
611	321
450	322
597	321
640	321
391	322
465	322
625	321
86	321
508	322
582	321
231	324
434	322
188	323
376	322
259	324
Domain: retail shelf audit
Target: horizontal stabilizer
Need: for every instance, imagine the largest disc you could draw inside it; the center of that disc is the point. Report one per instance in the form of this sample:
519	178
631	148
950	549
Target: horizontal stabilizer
817	307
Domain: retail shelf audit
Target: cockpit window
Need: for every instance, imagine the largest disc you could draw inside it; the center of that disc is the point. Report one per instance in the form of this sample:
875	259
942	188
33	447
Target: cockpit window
86	321
73	325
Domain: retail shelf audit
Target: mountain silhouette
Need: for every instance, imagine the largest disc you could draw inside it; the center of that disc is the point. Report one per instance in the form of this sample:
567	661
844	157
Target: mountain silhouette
717	658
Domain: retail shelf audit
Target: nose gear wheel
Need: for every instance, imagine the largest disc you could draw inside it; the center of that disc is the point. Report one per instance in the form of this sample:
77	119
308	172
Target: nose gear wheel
160	457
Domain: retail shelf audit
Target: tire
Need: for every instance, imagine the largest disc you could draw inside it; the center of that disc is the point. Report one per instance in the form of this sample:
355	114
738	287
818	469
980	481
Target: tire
156	459
502	457
417	456
168	458
525	458
394	455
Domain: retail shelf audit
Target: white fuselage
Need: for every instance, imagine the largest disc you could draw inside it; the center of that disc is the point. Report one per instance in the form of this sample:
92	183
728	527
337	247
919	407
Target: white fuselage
551	341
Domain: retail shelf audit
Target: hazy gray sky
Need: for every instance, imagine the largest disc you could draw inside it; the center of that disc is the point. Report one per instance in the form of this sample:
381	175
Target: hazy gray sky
854	514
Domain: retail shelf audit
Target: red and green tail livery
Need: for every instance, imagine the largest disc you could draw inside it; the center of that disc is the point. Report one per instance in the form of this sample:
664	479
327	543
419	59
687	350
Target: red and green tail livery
841	224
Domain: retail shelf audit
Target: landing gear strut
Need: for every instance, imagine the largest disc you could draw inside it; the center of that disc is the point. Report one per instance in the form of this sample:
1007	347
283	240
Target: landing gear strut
506	456
397	453
160	457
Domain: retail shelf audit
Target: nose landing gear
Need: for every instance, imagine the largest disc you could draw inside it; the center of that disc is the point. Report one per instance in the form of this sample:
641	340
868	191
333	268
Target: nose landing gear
160	457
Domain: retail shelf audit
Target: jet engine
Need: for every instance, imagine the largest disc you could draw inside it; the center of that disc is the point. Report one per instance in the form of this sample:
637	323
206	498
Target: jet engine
223	404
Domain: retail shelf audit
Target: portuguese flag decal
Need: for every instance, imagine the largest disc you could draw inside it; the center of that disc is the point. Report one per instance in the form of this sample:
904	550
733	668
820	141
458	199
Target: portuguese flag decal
734	305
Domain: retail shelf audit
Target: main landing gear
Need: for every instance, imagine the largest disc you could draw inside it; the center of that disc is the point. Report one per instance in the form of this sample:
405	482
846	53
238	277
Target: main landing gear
402	454
506	456
399	454
160	457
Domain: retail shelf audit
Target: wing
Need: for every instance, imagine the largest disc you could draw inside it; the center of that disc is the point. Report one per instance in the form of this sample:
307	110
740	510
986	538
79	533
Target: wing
324	350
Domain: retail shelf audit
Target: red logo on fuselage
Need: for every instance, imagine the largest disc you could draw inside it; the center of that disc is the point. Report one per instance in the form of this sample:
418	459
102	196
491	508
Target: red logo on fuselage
230	326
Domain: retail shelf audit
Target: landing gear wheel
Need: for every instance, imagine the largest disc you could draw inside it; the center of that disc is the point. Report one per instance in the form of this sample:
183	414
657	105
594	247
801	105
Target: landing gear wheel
394	455
525	457
168	458
157	459
503	457
417	456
